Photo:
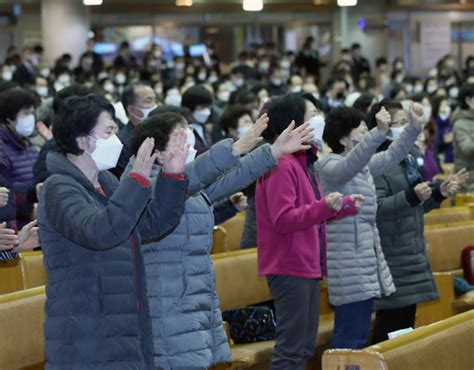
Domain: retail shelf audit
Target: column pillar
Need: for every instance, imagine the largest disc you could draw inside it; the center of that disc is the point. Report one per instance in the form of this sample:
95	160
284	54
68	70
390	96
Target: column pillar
65	26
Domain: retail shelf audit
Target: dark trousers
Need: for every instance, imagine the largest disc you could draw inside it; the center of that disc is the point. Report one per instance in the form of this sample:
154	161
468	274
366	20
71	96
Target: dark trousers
352	325
387	321
297	318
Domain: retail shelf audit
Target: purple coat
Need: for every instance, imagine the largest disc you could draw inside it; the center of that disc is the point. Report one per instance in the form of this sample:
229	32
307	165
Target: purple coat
16	167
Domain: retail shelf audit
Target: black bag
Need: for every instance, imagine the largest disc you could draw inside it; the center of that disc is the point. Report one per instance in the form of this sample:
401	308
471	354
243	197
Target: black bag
251	324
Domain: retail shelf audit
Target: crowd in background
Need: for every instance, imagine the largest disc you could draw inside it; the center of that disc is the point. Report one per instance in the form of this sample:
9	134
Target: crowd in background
373	115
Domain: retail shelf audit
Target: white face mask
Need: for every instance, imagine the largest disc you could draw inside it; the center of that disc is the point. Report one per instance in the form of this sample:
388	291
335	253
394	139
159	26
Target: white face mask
202	115
201	76
224	96
25	125
42	91
109	87
173	99
45	72
59	86
445	113
107	152
396	132
430	89
454	92
64	79
239	82
417	88
120	79
241	131
146	112
277	81
318	124
191	155
7	75
296	89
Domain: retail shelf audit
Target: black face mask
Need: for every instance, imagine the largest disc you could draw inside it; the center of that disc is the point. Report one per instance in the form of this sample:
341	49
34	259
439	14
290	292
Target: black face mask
340	96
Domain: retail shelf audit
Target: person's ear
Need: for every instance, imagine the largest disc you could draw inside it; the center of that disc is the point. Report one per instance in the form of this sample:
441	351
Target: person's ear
85	144
344	141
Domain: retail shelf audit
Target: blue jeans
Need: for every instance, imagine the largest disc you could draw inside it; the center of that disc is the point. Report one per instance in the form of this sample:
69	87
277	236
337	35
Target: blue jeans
352	325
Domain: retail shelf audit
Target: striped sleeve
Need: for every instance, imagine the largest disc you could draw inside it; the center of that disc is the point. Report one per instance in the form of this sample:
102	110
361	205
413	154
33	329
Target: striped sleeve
7	255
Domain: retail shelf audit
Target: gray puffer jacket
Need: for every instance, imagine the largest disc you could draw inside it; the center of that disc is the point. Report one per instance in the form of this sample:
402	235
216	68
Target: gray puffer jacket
400	220
357	269
184	307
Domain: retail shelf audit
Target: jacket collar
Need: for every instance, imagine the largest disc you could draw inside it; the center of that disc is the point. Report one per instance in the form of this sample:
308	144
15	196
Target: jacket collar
58	164
7	136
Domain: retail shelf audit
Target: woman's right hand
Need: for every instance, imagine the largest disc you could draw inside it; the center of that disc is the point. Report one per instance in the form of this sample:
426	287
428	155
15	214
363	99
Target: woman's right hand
8	237
4	192
145	158
176	152
383	120
334	201
423	191
292	140
252	138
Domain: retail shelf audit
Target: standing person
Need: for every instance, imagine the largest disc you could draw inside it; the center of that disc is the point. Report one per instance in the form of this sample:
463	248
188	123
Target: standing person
291	216
402	199
27	71
184	307
357	269
92	227
199	101
444	128
463	122
360	64
17	154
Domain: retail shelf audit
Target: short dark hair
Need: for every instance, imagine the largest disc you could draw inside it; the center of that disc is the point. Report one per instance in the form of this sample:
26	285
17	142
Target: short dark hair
363	102
77	117
231	115
380	60
13	101
194	96
466	91
418	98
7	85
339	123
355	45
246	97
171	109
72	90
290	107
388	104
129	95
159	127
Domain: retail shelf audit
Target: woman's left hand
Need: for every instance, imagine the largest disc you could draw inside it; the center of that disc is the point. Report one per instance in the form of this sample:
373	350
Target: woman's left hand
292	140
28	238
252	138
145	158
448	188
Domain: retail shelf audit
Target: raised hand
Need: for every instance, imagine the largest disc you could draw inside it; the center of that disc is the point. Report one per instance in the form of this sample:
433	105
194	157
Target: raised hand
44	130
252	138
145	158
239	200
416	114
448	188
4	192
28	237
358	200
423	191
292	140
8	237
459	177
334	201
383	120
176	152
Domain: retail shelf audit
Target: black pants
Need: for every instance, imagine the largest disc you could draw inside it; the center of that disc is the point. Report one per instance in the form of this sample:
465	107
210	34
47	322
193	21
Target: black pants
387	321
297	318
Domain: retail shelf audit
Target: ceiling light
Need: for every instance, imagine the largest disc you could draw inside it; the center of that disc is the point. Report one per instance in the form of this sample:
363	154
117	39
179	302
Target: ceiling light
346	2
184	2
253	5
92	2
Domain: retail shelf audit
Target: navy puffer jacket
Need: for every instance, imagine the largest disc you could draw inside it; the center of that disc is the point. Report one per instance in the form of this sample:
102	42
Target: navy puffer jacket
97	313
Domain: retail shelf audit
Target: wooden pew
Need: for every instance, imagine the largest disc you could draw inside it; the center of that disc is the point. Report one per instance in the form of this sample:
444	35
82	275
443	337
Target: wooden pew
219	240
234	228
21	328
444	345
448	215
11	276
444	246
462	199
34	272
238	285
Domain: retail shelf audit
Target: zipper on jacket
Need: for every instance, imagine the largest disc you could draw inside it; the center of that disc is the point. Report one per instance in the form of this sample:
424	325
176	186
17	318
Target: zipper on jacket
137	283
